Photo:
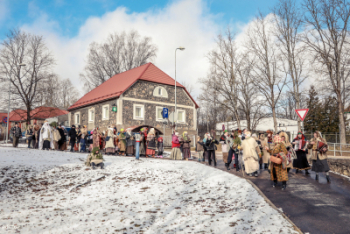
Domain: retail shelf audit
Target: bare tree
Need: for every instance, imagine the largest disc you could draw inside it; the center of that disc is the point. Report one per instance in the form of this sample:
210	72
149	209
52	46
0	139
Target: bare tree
266	73
326	34
189	87
288	22
68	94
119	53
221	84
24	48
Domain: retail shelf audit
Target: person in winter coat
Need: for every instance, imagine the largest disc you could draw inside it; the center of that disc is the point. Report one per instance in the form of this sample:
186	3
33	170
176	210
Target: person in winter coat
186	146
278	165
95	159
36	136
83	139
259	144
130	142
29	135
122	142
267	144
300	148
234	142
56	137
110	147
200	149
151	143
224	141
251	154
160	147
62	141
72	137
319	148
46	137
16	134
285	139
175	147
211	147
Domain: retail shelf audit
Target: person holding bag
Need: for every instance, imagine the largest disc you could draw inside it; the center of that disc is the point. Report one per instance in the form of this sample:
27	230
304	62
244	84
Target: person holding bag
278	162
319	148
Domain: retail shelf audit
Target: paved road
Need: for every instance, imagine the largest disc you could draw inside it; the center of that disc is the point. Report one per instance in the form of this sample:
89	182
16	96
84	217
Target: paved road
315	207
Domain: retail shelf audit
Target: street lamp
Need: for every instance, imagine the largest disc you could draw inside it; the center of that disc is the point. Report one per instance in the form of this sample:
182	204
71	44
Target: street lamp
180	48
8	110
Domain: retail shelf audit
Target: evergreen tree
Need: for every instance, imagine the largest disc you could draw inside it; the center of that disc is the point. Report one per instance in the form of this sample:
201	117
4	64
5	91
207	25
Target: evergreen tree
314	118
330	115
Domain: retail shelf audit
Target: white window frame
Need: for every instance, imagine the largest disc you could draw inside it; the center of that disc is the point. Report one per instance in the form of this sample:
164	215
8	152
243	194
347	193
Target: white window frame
75	118
163	94
103	113
89	115
159	119
142	112
184	116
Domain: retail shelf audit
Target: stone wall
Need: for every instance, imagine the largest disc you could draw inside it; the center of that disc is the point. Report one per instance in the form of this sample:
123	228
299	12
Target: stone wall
341	166
144	90
98	121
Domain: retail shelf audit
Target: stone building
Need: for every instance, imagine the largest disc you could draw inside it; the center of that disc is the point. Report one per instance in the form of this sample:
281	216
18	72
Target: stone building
138	97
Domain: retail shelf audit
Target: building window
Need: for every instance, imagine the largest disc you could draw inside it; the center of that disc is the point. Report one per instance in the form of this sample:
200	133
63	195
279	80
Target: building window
181	116
105	112
77	118
91	115
160	92
159	115
139	111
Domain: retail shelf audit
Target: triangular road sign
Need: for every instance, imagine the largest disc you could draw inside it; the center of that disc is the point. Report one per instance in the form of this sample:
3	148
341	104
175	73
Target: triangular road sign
302	113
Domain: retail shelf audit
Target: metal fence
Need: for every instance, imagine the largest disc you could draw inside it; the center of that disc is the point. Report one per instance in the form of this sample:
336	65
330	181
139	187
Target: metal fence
337	149
168	139
330	137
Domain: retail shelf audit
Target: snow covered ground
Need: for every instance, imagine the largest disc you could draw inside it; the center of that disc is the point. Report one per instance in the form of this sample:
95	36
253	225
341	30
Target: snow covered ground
38	194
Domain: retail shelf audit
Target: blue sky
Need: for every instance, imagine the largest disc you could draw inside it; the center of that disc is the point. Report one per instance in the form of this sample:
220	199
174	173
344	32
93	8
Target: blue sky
71	14
70	26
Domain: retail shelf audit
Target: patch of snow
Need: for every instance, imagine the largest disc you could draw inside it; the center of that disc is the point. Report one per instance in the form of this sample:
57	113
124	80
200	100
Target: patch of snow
53	192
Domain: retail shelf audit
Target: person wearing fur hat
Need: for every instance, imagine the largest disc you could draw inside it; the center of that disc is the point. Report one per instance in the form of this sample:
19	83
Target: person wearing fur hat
267	144
251	154
130	142
95	159
300	147
186	147
122	142
110	147
175	147
278	165
200	149
211	147
151	143
318	145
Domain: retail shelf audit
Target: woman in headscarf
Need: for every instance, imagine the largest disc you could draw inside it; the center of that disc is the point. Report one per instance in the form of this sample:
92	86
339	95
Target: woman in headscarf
285	139
224	141
130	142
110	147
267	144
278	165
56	136
95	138
300	148
319	148
151	143
186	146
46	137
122	142
175	147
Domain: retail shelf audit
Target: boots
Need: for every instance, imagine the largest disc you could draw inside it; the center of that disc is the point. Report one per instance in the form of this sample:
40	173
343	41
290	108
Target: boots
307	172
274	184
328	179
256	174
296	171
284	186
316	178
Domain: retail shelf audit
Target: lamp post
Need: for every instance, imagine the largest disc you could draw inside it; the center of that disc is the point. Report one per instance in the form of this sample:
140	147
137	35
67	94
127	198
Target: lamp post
180	48
8	110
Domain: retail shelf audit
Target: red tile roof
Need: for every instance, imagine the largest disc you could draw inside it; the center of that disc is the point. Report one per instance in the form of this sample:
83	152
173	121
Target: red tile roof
119	83
41	112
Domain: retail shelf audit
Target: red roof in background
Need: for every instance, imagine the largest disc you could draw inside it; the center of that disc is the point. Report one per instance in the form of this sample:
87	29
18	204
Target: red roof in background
119	83
41	112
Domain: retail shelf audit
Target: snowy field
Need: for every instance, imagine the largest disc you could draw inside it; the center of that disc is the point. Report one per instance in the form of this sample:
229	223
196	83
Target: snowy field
39	194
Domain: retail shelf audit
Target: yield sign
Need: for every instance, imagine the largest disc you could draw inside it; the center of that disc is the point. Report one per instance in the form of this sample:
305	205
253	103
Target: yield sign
302	113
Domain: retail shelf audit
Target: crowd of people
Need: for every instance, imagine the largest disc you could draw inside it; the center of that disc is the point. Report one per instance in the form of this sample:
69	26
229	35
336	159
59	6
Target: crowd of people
241	150
268	151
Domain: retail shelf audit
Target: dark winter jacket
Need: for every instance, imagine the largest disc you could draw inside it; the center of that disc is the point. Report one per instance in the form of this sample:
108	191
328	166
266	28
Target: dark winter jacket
130	139
210	144
16	131
73	135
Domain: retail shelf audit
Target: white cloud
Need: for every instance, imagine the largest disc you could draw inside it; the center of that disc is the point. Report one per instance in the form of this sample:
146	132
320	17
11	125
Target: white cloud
3	11
185	23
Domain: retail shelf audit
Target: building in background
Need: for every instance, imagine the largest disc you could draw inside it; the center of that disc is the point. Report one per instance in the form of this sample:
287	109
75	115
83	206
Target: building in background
136	97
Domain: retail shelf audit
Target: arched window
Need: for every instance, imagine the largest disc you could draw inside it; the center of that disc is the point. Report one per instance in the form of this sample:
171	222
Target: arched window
160	92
